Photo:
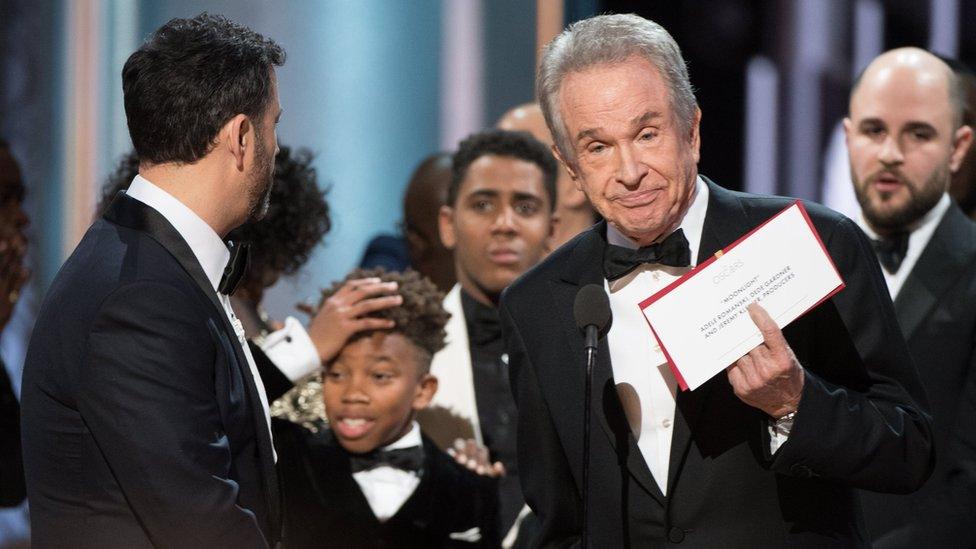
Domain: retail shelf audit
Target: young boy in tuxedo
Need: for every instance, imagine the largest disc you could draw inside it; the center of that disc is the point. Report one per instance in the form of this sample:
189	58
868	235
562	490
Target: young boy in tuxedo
372	479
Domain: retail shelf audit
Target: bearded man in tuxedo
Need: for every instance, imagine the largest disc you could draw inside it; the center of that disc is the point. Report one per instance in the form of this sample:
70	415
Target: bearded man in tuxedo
145	420
766	454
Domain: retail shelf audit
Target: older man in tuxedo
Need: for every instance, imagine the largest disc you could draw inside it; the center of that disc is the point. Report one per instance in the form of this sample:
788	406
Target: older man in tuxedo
145	419
767	454
906	138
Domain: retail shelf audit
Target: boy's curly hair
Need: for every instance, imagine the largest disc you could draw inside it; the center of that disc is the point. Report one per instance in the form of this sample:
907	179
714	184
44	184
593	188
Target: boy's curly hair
421	318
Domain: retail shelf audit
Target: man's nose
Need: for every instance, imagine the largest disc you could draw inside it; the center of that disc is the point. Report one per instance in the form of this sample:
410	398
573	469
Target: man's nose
504	221
630	171
890	152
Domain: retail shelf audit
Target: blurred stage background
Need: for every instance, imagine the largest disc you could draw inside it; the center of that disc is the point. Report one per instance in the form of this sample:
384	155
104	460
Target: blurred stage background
373	86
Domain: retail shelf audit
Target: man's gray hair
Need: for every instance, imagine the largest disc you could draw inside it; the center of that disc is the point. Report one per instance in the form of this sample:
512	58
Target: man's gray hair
604	40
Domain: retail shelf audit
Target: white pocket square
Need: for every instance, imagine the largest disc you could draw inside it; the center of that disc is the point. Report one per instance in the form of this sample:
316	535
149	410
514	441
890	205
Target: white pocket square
471	535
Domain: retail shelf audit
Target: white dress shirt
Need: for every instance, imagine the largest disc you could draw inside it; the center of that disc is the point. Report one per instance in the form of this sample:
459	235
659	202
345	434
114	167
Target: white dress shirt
388	488
212	254
917	241
291	350
644	381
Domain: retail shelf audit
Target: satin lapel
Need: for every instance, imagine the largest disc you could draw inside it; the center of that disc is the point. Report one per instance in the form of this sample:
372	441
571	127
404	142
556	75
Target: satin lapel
131	213
725	221
585	268
950	249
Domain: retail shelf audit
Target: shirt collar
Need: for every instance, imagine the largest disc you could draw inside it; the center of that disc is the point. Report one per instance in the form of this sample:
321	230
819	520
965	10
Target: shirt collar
409	440
204	242
692	223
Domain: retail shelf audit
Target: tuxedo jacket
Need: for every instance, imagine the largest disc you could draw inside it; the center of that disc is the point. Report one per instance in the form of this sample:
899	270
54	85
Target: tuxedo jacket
325	507
11	464
861	421
937	311
142	425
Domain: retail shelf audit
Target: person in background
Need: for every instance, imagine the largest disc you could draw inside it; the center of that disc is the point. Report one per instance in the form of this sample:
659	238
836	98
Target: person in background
907	135
13	275
573	210
419	245
963	186
372	479
499	222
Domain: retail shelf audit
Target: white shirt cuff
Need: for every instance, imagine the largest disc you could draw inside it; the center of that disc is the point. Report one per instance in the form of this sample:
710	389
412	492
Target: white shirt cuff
779	432
292	350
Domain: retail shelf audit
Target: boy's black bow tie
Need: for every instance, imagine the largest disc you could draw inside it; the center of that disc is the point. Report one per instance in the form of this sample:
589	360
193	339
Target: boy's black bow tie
672	251
408	459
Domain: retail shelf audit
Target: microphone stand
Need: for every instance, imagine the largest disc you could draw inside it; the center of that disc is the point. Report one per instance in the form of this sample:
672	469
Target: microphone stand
591	346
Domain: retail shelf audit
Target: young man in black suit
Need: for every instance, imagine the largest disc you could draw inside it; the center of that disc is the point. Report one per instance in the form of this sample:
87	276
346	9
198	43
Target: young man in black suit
906	138
372	479
145	420
767	454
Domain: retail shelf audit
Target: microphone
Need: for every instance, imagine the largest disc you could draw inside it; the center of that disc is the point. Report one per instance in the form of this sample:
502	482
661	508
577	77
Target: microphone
592	312
593	317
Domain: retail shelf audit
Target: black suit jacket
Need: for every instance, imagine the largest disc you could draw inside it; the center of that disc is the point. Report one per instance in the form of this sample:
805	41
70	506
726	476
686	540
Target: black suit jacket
937	311
11	464
325	507
141	421
860	422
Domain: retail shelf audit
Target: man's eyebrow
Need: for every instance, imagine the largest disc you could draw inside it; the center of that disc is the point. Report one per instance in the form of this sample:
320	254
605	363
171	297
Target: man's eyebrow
591	132
870	121
645	118
518	195
919	125
638	121
491	193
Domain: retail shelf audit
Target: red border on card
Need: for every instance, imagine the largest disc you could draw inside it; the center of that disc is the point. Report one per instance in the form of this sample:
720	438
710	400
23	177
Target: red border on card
701	266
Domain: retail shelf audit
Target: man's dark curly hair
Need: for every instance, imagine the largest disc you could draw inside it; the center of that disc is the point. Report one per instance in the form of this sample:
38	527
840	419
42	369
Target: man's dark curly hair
188	79
283	240
421	318
520	145
14	188
297	219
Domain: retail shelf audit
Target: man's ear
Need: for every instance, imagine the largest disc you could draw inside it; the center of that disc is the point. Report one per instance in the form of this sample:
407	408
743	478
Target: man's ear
425	391
553	225
567	166
445	225
848	130
961	143
237	135
695	136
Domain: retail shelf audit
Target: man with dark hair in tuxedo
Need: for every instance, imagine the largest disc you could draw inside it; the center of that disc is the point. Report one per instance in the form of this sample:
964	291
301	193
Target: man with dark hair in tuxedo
906	136
145	419
766	454
499	222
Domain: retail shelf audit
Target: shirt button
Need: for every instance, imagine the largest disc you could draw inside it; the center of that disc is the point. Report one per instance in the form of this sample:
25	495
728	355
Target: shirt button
504	358
666	423
676	535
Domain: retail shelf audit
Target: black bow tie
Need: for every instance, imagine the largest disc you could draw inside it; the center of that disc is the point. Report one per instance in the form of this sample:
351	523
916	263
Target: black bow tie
235	269
891	250
672	251
407	459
